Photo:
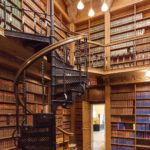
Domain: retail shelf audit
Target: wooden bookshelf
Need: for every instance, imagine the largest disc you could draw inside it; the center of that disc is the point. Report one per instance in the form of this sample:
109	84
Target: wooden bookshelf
8	107
130	129
130	22
123	117
95	30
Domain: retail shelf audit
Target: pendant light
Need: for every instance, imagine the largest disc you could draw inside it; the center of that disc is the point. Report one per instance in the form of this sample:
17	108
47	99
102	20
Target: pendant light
91	12
147	73
104	7
80	5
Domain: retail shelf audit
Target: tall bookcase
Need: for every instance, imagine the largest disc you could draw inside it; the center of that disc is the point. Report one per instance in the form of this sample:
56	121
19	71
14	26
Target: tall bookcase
94	28
143	116
8	108
127	23
130	121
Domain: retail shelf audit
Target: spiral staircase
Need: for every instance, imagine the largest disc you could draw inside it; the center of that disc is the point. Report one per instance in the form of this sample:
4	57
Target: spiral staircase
67	82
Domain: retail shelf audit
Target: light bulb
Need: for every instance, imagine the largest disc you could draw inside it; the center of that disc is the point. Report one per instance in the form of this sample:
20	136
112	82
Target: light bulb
91	13
147	73
104	7
80	5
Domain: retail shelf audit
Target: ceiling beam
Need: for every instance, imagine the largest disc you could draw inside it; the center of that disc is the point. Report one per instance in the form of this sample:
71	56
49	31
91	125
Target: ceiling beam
65	15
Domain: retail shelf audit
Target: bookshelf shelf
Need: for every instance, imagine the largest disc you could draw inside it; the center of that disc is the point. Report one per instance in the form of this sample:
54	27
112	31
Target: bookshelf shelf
123	144
143	139
6	137
123	137
143	146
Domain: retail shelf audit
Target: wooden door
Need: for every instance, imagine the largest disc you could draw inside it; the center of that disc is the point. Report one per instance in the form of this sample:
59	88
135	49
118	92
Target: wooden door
86	124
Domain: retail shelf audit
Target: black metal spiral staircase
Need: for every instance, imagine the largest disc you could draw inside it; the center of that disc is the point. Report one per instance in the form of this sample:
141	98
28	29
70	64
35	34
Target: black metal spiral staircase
66	83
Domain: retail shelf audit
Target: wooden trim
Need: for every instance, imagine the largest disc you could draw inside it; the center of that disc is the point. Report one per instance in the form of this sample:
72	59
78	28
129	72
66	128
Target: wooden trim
65	15
107	114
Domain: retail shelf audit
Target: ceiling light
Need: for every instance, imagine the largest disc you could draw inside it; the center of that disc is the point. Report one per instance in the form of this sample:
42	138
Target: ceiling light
147	73
80	5
91	13
104	7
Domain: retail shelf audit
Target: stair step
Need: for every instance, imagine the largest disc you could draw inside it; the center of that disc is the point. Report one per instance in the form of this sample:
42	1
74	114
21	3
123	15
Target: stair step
72	145
60	141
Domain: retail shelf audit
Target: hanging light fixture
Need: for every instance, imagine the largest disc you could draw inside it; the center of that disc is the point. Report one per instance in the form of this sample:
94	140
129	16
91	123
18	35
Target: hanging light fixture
104	7
91	12
80	5
147	73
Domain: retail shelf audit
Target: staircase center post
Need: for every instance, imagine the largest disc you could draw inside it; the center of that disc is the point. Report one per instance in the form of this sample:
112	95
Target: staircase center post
52	58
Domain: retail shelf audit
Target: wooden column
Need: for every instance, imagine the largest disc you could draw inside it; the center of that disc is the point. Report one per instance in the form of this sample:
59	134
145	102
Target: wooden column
72	46
107	114
107	40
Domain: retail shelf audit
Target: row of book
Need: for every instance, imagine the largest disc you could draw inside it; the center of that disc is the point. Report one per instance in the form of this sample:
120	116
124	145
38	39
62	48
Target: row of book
122	126
143	127
7	97
143	95
34	88
96	50
33	21
11	7
126	134
128	34
121	52
122	45
12	18
123	96
118	147
6	132
96	28
122	119
143	111
143	135
121	66
142	41
123	141
133	26
8	109
35	5
126	20
142	56
97	35
6	85
7	144
141	48
35	108
98	63
129	103
9	120
122	111
142	119
97	56
144	103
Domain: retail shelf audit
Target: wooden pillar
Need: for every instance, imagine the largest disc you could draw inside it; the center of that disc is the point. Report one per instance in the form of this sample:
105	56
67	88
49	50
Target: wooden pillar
107	40
107	114
72	46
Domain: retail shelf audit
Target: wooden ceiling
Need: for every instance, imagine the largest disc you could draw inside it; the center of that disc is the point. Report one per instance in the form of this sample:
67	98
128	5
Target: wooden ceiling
71	6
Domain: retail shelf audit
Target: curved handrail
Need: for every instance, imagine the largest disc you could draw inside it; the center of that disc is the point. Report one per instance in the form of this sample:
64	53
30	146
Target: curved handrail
38	55
65	132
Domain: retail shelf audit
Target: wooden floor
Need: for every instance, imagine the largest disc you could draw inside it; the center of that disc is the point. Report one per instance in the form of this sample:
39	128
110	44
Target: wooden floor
98	142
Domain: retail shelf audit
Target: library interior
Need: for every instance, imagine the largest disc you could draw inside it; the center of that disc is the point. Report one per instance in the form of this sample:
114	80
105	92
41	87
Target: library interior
74	75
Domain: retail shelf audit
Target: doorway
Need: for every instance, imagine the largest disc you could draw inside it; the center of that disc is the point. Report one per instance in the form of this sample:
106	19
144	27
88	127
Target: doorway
98	126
